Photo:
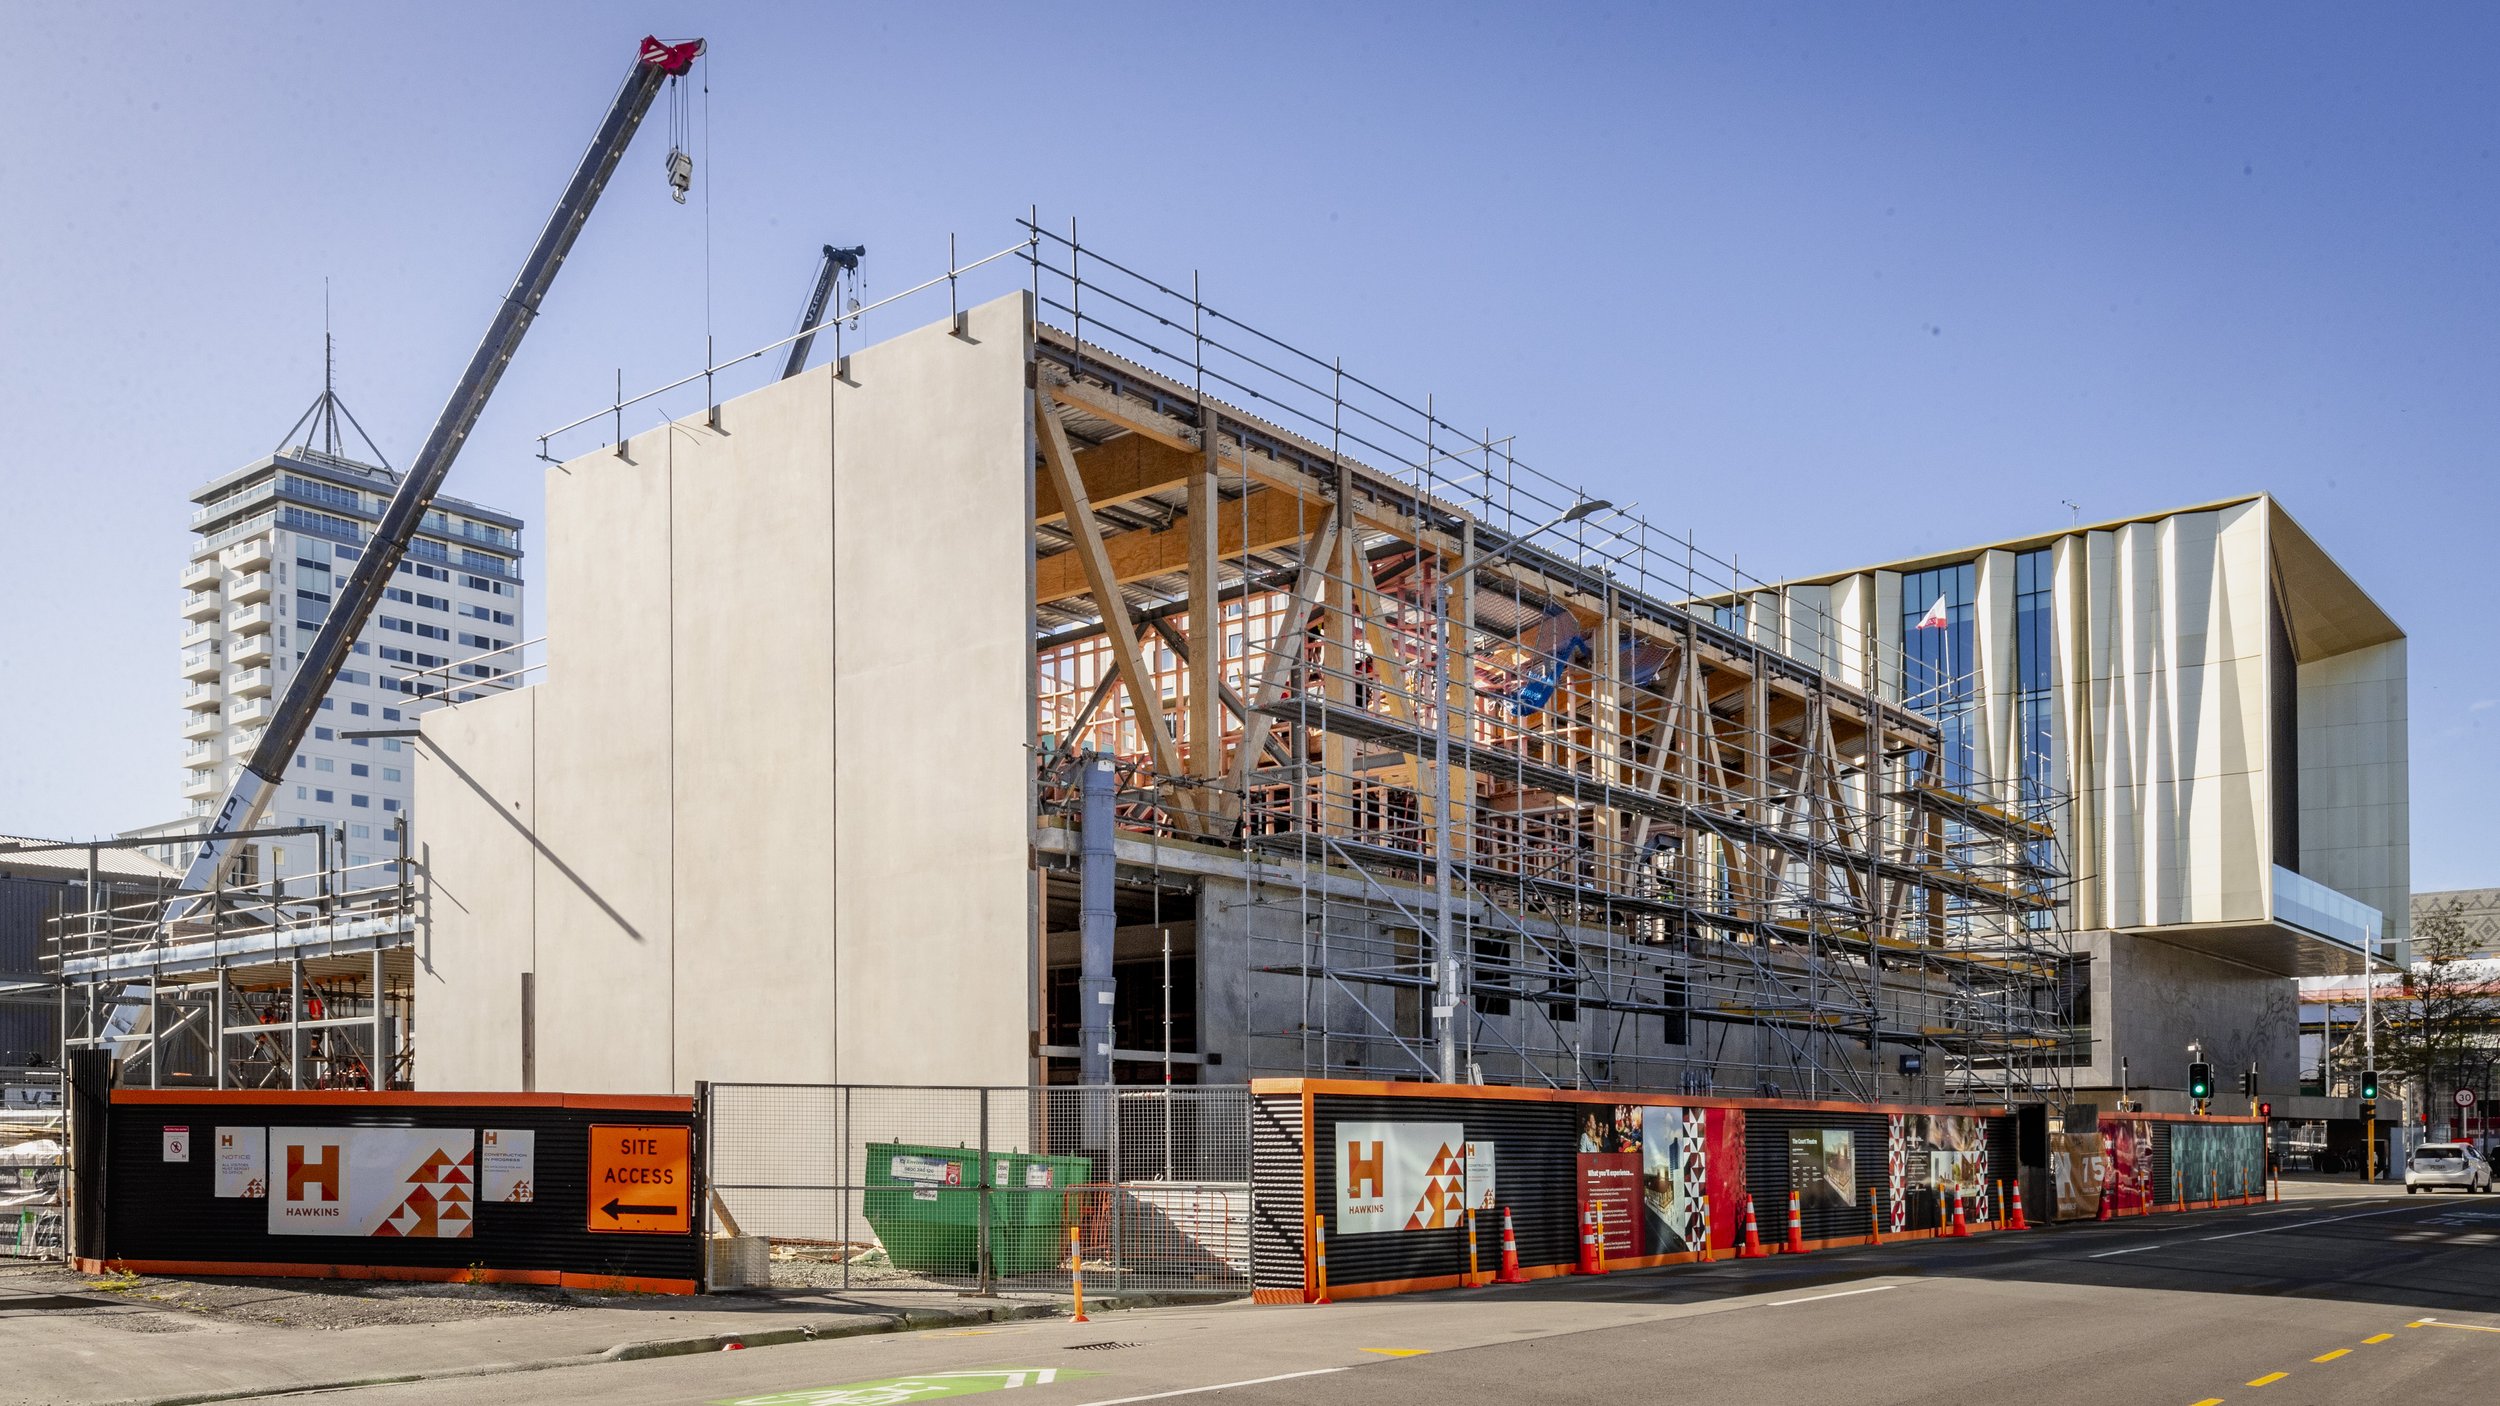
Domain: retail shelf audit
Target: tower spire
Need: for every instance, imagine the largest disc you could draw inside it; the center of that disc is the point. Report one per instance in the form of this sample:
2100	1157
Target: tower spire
323	415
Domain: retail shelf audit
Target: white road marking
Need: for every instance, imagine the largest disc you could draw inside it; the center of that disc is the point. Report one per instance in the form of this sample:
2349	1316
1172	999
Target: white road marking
1219	1386
2132	1249
2298	1224
1818	1298
2469	1327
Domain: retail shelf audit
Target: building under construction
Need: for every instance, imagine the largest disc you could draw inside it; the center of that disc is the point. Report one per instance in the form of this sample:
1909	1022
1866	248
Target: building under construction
1401	759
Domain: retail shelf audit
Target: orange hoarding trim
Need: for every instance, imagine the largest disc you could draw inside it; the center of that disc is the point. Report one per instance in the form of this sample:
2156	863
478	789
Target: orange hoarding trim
1361	1088
403	1274
361	1098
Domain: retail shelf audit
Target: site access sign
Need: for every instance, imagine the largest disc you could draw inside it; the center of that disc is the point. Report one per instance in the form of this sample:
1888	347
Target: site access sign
638	1180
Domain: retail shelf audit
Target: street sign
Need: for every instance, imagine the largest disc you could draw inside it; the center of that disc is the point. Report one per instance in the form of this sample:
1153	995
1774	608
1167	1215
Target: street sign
2465	1098
639	1182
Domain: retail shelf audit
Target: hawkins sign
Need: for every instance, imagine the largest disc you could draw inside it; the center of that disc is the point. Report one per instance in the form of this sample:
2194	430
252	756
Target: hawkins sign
1400	1176
419	1183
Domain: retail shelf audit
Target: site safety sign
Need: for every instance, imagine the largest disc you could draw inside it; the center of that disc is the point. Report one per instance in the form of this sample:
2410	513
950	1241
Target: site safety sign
639	1182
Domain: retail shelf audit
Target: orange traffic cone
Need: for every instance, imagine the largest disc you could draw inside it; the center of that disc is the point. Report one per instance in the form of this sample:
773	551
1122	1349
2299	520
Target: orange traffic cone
1796	1227
2107	1196
1510	1254
1588	1241
1960	1229
1752	1248
2018	1223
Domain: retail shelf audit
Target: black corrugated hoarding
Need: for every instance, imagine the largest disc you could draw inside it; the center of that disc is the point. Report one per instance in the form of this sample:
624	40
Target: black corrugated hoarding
1536	1174
168	1212
1277	1213
1767	1178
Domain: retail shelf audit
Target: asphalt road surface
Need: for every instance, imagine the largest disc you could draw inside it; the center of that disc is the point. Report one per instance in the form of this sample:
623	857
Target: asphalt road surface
2343	1298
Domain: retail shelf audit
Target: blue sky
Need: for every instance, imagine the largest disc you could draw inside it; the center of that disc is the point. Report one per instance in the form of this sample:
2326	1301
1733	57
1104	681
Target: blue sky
1825	283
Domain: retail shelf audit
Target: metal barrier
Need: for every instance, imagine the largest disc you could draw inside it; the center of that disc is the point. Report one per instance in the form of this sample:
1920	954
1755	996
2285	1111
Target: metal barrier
33	1143
873	1186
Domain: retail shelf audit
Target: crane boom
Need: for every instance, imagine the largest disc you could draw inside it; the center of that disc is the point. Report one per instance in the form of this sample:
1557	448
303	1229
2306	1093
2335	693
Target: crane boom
837	261
253	785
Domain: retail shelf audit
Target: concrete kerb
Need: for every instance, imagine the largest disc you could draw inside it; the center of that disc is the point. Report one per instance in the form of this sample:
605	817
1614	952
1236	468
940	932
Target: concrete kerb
909	1320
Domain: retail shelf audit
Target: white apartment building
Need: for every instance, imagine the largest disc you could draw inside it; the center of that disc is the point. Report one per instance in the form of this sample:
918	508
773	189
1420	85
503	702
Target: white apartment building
2216	713
277	539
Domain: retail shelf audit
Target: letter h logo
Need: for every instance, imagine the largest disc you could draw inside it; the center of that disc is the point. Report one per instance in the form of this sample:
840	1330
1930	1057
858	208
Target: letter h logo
1363	1169
302	1172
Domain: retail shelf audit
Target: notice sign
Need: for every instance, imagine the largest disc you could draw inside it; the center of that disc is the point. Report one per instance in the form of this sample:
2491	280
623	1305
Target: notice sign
1611	1181
417	1183
508	1164
1480	1190
638	1180
243	1163
177	1144
1399	1176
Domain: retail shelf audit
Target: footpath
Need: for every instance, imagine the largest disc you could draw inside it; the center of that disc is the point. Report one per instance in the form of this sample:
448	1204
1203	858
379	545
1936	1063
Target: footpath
124	1340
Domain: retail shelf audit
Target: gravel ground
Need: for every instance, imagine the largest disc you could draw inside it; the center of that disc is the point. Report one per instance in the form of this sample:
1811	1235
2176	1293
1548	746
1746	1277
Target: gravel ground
152	1304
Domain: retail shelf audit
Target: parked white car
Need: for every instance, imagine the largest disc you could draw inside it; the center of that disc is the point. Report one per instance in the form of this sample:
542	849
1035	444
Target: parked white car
2437	1164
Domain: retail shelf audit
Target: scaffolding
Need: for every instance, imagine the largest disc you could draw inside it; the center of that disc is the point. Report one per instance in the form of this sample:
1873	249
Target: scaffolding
301	982
1511	801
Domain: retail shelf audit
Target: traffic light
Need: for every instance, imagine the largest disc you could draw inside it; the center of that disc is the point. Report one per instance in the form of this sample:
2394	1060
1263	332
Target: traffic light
2248	1083
2265	1110
2369	1083
2200	1080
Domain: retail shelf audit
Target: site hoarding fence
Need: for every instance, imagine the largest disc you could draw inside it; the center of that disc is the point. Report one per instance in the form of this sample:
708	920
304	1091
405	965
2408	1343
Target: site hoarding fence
594	1192
971	1188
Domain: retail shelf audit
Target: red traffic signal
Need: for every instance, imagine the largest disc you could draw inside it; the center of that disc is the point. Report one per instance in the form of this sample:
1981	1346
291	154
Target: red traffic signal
2265	1110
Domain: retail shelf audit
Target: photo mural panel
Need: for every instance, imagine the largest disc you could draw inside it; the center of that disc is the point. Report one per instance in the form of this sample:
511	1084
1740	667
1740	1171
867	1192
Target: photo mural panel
1822	1166
2128	1145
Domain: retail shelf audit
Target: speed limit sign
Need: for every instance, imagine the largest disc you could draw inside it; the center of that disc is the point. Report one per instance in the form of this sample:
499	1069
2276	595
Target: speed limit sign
2465	1098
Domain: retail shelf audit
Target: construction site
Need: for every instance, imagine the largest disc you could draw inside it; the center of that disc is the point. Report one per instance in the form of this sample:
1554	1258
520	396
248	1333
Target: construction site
1393	757
1280	726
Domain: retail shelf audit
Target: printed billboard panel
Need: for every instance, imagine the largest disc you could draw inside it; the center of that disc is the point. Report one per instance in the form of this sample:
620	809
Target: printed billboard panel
1823	1167
242	1163
1956	1147
2128	1144
2217	1159
1671	1178
1611	1182
2078	1166
414	1182
1400	1176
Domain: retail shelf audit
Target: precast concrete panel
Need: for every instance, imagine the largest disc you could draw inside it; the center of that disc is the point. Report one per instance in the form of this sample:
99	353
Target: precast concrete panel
933	465
476	785
751	728
606	895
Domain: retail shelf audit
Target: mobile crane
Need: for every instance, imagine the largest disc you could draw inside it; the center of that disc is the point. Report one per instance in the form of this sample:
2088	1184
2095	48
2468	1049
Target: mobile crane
837	261
656	65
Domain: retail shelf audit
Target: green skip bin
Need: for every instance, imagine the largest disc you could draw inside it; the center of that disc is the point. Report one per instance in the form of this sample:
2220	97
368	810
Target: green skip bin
925	1205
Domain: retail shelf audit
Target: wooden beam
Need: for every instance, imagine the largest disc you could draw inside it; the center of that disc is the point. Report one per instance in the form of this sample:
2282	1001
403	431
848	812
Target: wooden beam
1285	648
1261	521
1144	703
1123	471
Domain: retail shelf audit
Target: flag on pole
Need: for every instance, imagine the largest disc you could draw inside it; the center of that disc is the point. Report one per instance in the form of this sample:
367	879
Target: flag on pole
1935	618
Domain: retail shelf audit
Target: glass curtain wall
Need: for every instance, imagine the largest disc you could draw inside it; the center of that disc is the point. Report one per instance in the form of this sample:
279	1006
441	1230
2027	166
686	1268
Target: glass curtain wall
1938	661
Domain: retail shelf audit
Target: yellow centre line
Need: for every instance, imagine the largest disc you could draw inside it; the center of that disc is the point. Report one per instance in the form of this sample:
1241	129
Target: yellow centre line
2329	1357
2210	1401
2377	1338
2270	1377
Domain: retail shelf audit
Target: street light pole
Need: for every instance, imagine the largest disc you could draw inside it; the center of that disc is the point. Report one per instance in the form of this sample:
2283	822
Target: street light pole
1445	982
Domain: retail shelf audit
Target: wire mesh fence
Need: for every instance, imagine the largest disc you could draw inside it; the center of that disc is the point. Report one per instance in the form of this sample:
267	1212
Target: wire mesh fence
32	1164
988	1189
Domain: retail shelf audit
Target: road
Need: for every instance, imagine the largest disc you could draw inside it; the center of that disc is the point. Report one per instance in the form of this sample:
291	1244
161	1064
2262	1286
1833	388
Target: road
2337	1298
